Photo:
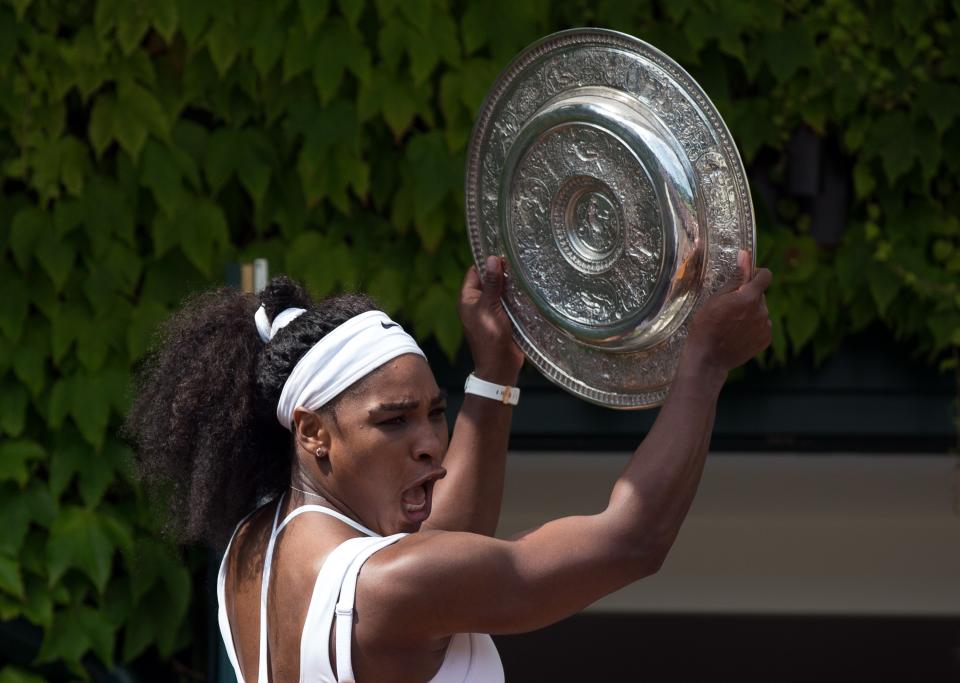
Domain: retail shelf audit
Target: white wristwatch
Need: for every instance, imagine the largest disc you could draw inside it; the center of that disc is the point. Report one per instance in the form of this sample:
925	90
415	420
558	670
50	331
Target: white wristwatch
498	392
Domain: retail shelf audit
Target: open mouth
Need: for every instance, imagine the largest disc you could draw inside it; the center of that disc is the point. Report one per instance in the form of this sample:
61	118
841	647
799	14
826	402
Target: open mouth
415	501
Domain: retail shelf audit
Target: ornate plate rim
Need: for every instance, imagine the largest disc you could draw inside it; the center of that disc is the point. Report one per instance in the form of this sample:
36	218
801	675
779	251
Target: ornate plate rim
597	36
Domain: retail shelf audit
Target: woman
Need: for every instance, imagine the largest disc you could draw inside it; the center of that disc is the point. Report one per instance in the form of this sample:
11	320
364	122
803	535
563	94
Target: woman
365	479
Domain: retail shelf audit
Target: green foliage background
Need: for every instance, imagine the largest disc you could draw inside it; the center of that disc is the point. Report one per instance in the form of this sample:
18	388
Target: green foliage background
146	143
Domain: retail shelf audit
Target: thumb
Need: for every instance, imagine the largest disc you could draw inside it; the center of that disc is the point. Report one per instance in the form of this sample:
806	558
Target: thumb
744	271
492	278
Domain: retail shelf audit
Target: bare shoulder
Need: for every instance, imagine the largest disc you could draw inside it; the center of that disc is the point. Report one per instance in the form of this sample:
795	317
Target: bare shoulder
410	593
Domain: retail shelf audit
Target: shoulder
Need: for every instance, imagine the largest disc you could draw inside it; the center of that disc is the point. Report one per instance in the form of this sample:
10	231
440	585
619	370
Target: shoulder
413	591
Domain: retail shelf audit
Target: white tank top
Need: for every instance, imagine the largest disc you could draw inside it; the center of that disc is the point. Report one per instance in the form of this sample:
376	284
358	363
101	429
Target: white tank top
470	657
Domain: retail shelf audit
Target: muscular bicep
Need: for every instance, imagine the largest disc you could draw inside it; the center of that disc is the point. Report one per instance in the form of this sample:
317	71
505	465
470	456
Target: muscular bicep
434	584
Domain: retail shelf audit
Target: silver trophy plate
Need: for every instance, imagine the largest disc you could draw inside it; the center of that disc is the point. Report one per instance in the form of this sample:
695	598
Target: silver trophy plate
603	173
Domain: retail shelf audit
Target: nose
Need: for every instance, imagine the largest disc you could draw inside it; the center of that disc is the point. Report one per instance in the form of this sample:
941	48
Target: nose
429	445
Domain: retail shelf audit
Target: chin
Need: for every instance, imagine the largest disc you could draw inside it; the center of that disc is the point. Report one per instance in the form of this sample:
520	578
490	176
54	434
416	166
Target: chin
409	527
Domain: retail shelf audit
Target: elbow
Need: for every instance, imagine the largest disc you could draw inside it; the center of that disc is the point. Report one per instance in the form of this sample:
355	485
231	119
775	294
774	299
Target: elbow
643	549
647	558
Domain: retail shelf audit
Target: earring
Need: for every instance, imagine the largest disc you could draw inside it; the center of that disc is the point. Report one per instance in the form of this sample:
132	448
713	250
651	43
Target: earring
319	454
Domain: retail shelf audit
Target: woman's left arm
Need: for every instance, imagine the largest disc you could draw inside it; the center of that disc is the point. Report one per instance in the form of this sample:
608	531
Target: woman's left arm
469	497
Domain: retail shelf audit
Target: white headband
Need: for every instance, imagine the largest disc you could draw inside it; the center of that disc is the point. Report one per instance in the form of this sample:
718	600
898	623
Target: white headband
346	354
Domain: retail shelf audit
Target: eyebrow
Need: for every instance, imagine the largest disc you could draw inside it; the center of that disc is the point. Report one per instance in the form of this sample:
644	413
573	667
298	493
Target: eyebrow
410	404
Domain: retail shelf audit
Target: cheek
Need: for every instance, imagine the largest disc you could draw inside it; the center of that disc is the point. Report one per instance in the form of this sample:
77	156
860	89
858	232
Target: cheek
443	435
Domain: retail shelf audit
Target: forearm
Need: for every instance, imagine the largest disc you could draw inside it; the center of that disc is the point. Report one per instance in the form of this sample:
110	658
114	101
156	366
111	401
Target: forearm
469	497
653	495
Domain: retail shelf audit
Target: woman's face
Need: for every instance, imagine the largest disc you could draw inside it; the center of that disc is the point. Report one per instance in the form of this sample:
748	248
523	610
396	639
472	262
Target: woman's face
387	442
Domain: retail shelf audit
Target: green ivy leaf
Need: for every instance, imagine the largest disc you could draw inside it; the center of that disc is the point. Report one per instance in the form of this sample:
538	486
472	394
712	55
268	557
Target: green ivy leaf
88	400
13	307
790	49
338	48
220	161
203	229
267	46
802	321
137	113
10	579
163	17
194	17
224	43
38	606
302	263
79	540
941	102
883	286
17	515
13	408
433	315
864	182
74	164
298	53
892	139
20	6
14	674
16	458
398	106
417	12
29	227
143	327
93	343
68	457
132	23
56	259
162	175
61	398
30	359
388	286
351	10
313	13
155	562
95	471
76	631
432	171
103	117
253	163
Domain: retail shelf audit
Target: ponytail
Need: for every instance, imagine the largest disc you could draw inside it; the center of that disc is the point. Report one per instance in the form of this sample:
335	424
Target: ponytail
203	418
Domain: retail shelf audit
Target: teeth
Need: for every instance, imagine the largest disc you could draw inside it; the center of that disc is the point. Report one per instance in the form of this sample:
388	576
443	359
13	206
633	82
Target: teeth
415	499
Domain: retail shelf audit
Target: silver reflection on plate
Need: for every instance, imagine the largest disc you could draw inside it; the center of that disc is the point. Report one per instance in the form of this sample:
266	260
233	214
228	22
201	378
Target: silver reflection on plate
605	175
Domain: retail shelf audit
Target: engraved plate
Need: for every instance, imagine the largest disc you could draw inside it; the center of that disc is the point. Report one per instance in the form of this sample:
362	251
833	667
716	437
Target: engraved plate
605	175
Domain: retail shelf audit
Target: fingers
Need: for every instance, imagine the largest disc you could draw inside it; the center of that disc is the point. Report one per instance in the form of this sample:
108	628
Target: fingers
744	266
743	272
758	285
493	278
471	280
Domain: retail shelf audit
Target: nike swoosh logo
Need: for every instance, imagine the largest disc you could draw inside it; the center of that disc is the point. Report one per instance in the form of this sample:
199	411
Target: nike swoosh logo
387	327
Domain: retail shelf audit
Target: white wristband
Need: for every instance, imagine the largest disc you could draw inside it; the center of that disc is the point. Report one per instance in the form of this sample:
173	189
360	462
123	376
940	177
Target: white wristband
498	392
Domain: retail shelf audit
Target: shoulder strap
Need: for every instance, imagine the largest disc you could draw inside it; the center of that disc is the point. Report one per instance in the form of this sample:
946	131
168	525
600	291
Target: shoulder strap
263	675
344	611
225	631
327	511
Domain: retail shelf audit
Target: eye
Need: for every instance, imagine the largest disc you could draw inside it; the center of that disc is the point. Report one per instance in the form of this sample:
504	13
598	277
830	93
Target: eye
393	421
439	412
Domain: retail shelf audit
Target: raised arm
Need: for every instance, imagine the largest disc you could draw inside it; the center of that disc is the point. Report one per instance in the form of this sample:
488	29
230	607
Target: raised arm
469	497
548	573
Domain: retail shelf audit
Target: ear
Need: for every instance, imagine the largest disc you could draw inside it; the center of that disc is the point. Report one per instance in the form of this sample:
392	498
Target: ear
312	432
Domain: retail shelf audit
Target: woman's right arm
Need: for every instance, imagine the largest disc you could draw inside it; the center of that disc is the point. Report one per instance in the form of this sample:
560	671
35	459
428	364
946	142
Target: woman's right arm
434	584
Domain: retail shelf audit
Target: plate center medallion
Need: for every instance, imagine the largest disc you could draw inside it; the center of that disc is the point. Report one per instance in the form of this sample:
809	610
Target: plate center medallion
588	224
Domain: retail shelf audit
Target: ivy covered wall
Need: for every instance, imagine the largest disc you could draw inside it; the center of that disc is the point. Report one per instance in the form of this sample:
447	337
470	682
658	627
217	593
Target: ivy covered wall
146	143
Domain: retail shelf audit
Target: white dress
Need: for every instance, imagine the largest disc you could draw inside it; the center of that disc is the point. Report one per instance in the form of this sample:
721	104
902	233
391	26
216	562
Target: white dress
470	657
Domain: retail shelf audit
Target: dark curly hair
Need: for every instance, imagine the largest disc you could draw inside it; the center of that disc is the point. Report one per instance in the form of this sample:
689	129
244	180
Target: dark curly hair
203	418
